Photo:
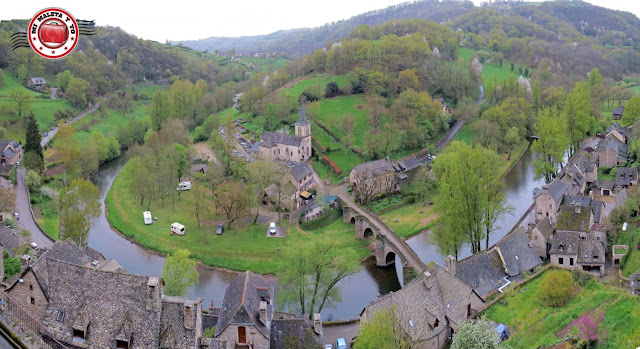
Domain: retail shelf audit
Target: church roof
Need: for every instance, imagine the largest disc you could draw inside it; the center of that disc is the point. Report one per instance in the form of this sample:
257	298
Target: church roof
302	120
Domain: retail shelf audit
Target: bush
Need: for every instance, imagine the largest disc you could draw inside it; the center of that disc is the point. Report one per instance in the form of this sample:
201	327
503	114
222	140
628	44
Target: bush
331	90
11	267
580	277
9	222
326	219
556	288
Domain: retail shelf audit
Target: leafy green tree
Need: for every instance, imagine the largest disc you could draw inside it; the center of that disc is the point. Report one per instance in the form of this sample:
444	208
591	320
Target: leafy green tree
63	79
22	99
551	144
233	200
476	334
511	139
537	102
577	115
79	205
33	136
160	109
262	173
76	93
12	266
382	331
179	273
331	90
556	288
312	273
631	111
595	78
33	181
68	149
470	197
31	161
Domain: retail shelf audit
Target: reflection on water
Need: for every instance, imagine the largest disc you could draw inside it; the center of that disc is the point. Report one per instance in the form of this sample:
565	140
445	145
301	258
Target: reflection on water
357	290
519	184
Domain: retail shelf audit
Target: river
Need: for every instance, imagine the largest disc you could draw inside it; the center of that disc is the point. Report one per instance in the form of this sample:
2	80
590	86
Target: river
357	290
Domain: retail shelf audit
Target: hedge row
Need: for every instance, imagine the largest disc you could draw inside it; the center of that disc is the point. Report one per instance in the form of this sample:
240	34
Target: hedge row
336	169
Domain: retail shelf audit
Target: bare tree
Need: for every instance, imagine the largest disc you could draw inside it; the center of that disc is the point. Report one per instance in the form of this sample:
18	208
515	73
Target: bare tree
233	200
366	184
262	173
389	183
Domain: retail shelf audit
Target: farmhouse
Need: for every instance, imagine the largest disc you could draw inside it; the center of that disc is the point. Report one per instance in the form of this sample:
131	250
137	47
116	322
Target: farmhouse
610	152
39	83
374	177
10	152
574	250
288	147
549	199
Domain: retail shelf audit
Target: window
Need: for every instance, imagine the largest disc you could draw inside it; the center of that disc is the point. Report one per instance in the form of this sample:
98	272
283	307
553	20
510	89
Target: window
122	344
550	206
583	238
33	300
436	323
30	287
598	238
595	258
78	334
560	260
570	261
547	214
60	315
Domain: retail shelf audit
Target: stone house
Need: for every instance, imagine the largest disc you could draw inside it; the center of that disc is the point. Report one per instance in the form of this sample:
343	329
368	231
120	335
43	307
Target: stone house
248	319
549	199
430	308
374	177
626	177
604	188
301	176
588	168
575	250
539	237
102	306
574	218
610	152
294	148
39	83
616	114
407	168
488	270
11	240
573	179
10	152
621	133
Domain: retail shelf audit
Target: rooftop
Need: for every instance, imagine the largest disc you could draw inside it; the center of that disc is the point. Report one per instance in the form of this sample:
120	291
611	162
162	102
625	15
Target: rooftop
269	139
574	218
626	176
375	168
300	171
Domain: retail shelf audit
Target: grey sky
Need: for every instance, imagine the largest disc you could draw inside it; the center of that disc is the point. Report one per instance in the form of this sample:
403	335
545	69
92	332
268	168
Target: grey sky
187	20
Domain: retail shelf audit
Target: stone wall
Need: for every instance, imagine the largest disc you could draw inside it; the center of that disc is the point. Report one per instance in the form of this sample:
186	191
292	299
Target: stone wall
23	292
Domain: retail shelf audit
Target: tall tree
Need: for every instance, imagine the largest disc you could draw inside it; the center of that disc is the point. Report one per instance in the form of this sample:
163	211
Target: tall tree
551	145
200	202
179	273
382	331
76	93
21	98
67	147
577	115
311	275
160	109
33	137
233	200
79	205
469	194
631	112
262	173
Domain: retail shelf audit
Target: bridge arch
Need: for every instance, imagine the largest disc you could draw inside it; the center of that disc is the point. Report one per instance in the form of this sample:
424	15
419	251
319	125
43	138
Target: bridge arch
390	258
368	233
353	220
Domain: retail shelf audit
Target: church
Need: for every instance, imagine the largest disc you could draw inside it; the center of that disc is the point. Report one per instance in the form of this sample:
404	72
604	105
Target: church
287	147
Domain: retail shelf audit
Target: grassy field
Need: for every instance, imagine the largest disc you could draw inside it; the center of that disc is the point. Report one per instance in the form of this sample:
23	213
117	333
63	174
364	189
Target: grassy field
268	64
533	324
108	124
466	134
409	219
48	215
630	263
242	247
489	70
296	87
10	83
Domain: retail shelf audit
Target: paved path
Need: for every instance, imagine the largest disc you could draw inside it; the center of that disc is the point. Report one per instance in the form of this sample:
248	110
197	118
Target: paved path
23	208
53	92
398	245
346	331
52	133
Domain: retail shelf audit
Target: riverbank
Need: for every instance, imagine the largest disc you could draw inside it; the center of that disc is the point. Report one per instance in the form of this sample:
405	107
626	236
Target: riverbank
242	247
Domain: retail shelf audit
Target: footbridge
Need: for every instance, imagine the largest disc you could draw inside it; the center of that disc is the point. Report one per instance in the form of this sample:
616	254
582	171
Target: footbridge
369	226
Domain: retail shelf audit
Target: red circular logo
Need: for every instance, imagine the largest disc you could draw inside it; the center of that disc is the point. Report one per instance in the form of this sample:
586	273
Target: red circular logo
53	33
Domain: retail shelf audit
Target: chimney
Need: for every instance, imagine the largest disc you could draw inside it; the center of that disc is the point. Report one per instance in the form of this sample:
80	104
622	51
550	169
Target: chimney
1	263
317	324
153	293
212	306
450	265
189	310
263	313
577	209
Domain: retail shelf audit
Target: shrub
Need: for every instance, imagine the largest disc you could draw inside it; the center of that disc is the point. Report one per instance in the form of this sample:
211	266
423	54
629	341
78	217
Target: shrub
580	277
556	288
11	267
9	222
331	90
336	169
315	141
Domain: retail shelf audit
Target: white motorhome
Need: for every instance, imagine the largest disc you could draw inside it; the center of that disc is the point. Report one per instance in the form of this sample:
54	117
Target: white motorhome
177	228
146	215
184	186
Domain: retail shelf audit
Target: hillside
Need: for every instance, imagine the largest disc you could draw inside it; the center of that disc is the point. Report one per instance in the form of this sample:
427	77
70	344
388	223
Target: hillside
299	42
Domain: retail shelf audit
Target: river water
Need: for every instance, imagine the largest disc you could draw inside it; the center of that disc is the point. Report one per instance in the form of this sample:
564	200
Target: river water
357	290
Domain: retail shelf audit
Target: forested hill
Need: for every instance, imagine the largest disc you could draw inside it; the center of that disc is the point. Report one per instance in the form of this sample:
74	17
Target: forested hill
298	42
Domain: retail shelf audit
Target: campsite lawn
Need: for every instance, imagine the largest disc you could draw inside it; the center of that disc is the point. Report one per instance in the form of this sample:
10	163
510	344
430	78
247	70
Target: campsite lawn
533	324
244	246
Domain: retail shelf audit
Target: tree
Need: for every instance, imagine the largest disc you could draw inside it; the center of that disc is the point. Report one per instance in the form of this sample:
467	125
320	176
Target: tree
476	334
469	196
160	109
511	139
22	99
179	273
12	266
200	202
76	93
556	288
537	103
33	181
63	79
142	182
631	111
262	173
588	327
331	90
577	115
88	161
551	144
79	206
382	331
233	200
347	123
312	273
33	138
67	147
31	161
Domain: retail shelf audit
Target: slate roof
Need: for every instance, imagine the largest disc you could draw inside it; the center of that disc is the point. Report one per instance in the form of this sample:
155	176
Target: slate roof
38	80
455	294
597	207
545	227
570	219
567	240
584	164
626	175
6	146
556	189
517	254
407	164
587	249
609	184
11	239
213	343
302	119
269	139
175	328
300	171
241	303
613	143
573	179
617	127
69	252
293	333
576	200
374	168
618	112
482	271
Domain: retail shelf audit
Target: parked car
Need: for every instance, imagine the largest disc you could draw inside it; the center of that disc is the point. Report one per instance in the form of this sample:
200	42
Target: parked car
272	228
53	128
17	215
16	164
220	229
341	343
33	245
503	332
45	134
328	346
431	157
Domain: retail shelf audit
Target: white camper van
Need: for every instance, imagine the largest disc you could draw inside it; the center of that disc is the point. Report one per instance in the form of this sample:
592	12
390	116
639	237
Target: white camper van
146	215
184	186
177	228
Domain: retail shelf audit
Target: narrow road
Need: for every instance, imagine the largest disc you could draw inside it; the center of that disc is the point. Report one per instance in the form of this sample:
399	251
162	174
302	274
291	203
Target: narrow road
23	207
53	92
398	245
52	133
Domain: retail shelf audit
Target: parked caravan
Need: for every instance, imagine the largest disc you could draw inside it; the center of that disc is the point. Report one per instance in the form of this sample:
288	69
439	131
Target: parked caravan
184	186
177	228
146	215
